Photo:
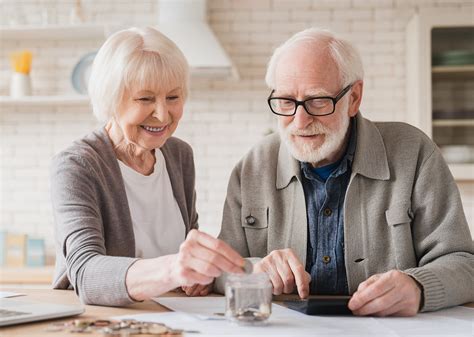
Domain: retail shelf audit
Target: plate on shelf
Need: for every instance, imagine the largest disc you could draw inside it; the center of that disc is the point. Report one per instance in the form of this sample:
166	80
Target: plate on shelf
81	73
453	57
458	154
453	114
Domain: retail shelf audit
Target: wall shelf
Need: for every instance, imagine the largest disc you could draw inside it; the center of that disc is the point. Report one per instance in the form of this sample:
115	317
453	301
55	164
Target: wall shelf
44	100
453	72
462	171
54	32
453	122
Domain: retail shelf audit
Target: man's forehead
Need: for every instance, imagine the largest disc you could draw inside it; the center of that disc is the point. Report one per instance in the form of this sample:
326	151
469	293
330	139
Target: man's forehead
307	83
307	68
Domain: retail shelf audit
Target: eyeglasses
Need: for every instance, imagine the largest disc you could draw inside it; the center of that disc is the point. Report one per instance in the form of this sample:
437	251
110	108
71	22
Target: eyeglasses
315	106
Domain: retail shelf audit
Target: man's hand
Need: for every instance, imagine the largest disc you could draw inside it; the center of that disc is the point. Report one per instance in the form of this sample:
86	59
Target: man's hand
285	272
389	294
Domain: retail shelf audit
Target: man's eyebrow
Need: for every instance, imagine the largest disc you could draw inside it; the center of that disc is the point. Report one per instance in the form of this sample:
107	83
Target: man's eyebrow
310	93
317	92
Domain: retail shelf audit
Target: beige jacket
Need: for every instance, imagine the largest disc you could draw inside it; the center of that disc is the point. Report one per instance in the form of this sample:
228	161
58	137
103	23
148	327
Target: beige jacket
402	211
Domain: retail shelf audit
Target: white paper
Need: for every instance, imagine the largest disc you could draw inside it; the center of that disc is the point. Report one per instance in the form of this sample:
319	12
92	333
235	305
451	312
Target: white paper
194	313
197	313
5	294
275	326
456	321
204	308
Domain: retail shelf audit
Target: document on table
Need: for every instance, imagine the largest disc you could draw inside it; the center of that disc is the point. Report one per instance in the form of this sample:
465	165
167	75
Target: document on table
197	314
5	294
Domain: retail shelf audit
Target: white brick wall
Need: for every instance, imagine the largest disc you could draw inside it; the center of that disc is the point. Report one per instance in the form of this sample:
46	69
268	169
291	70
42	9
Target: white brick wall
223	118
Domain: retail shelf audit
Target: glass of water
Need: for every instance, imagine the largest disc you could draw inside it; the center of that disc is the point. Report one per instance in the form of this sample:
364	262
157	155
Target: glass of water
248	298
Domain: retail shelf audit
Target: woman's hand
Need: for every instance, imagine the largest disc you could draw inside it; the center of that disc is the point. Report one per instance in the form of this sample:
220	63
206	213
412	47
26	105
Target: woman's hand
198	289
202	257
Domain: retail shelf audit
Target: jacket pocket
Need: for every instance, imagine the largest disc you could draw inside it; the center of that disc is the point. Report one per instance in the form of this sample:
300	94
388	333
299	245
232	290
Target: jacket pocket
255	225
397	215
399	222
254	217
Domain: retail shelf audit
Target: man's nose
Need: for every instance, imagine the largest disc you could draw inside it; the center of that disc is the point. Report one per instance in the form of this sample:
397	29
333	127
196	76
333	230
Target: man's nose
302	118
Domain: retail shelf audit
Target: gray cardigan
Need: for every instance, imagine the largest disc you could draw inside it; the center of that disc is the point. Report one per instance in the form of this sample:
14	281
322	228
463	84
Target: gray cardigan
402	211
94	234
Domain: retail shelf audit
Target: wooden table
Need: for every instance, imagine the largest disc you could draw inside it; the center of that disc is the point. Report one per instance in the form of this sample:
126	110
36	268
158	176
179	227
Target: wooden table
92	312
69	297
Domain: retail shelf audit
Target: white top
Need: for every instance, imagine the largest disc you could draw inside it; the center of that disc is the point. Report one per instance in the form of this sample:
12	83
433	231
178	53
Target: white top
158	225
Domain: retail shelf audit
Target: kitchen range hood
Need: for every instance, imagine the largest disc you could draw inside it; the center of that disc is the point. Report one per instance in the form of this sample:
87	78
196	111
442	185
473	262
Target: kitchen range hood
184	22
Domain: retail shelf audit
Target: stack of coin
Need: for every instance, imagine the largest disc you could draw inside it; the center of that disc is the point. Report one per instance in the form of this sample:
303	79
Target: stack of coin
122	328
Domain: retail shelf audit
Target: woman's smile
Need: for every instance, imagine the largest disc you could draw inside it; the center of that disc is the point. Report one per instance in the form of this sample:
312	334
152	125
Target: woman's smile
153	130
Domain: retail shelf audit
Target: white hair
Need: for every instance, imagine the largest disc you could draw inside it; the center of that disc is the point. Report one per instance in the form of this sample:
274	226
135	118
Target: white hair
138	59
344	54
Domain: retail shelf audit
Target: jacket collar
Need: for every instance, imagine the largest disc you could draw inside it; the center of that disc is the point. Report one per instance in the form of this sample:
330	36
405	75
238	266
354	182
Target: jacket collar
370	158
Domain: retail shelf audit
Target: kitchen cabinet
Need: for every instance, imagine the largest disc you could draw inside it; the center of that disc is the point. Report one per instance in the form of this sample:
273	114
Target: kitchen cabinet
440	83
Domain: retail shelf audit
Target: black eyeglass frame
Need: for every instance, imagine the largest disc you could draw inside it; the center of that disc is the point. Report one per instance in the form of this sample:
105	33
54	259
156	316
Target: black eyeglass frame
298	103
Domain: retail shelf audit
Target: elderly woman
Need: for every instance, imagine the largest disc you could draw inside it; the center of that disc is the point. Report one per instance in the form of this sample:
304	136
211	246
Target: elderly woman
123	196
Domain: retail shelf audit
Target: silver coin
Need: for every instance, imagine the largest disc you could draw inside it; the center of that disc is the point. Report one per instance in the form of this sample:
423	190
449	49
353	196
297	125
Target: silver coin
248	267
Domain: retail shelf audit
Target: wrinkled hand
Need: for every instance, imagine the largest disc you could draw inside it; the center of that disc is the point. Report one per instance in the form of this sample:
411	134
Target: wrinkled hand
201	258
389	294
198	289
285	272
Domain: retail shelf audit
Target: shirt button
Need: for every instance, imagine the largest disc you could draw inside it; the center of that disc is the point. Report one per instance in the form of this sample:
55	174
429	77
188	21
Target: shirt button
327	212
250	220
326	259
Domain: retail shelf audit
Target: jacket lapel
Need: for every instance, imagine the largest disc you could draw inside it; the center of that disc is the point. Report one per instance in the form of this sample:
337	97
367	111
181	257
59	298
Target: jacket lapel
370	158
174	169
370	161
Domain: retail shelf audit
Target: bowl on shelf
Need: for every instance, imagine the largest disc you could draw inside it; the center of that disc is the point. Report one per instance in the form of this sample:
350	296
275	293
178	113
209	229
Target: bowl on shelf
453	57
458	154
81	73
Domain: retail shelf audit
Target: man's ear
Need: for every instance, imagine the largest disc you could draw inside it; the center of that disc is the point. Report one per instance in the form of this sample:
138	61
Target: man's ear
355	98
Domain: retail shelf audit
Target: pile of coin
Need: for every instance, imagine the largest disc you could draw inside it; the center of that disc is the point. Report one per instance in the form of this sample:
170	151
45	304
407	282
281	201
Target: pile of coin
122	328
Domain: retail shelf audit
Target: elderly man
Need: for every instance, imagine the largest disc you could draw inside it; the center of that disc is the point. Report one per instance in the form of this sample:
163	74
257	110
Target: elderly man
337	204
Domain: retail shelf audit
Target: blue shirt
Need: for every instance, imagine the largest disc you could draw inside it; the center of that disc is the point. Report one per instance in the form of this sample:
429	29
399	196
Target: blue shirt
325	190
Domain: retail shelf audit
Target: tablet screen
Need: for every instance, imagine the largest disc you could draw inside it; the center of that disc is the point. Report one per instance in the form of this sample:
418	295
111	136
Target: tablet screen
328	305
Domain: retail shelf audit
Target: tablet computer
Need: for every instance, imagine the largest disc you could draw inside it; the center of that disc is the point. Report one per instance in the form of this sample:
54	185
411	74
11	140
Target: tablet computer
327	305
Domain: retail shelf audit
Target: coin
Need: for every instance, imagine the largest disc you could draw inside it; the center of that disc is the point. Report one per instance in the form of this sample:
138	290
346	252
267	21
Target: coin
101	322
82	323
248	267
157	329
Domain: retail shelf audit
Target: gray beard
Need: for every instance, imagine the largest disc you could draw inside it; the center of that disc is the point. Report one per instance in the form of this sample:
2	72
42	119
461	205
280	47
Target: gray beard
311	153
